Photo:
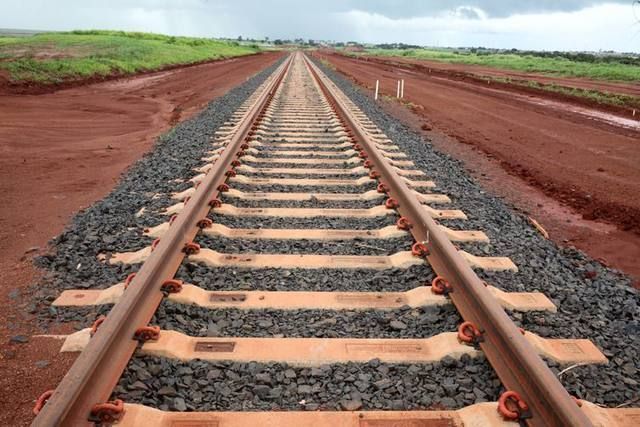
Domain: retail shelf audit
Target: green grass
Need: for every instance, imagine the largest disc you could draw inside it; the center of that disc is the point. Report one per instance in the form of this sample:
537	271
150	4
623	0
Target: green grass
600	97
55	57
557	66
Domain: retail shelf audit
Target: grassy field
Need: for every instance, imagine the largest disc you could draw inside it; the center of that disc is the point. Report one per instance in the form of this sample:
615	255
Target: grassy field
56	57
600	97
557	66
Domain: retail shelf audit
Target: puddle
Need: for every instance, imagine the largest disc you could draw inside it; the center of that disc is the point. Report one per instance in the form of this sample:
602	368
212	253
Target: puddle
608	118
600	116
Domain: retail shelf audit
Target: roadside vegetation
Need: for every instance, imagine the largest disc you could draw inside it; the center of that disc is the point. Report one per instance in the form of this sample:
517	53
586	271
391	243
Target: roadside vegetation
56	57
567	64
600	97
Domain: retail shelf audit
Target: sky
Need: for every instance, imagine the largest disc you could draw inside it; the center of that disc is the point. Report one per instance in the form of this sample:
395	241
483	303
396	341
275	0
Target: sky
590	25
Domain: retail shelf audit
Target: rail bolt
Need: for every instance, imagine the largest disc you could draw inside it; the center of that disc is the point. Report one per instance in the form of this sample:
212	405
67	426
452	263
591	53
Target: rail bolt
236	163
469	333
215	203
577	400
403	223
519	410
230	173
241	153
419	249
440	286
42	400
391	203
374	174
244	146
363	155
205	223
223	188
381	188
108	412
171	286
191	248
368	164
94	328
357	147
128	280
147	333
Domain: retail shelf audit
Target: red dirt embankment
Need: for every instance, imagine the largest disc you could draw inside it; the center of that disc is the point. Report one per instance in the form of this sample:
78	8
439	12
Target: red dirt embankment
10	87
60	152
582	158
461	70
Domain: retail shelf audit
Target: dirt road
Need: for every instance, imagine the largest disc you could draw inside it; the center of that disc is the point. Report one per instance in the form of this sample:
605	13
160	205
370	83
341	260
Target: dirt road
584	159
459	70
60	152
49	142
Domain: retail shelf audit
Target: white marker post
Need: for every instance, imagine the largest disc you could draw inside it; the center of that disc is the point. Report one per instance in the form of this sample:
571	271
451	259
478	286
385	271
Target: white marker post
398	90
402	89
376	95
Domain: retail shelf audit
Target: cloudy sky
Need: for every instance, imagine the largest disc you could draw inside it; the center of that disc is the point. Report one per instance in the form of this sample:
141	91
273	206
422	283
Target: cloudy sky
523	24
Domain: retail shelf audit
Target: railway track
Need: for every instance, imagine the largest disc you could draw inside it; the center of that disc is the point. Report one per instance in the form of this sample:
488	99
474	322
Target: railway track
301	180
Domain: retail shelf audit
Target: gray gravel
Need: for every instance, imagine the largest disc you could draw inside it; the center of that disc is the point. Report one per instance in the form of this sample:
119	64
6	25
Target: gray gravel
204	386
594	302
293	164
313	203
404	322
274	149
110	225
305	280
274	153
319	247
278	188
342	223
335	174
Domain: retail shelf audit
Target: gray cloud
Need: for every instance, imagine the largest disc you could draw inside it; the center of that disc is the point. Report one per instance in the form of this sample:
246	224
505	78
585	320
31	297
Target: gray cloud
436	22
468	12
496	8
409	8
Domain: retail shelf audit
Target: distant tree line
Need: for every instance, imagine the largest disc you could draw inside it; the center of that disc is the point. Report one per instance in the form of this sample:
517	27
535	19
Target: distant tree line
280	42
300	42
589	57
605	57
601	58
397	46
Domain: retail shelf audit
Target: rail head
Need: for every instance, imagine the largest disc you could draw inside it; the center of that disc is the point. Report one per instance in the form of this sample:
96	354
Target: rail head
96	371
515	361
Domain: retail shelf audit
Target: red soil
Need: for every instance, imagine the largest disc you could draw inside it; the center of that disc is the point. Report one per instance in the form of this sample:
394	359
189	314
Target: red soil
60	152
571	157
7	86
627	88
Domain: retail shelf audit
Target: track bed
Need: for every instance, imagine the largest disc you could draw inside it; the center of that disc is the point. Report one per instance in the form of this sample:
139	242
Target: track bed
319	266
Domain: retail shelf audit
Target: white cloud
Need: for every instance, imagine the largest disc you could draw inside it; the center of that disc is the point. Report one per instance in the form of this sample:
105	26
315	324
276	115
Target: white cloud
468	12
606	26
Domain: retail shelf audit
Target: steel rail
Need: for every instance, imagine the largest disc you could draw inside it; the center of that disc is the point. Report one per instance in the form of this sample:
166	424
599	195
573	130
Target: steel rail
514	360
96	371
